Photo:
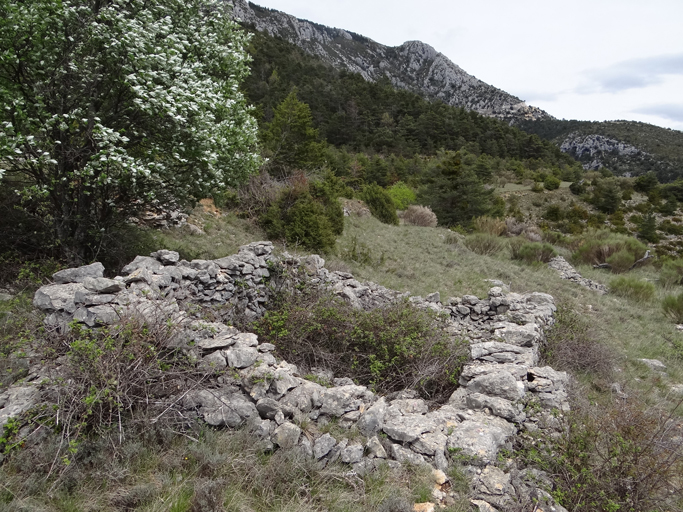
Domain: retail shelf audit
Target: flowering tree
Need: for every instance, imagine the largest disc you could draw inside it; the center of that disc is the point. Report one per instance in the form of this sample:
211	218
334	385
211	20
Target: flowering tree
108	106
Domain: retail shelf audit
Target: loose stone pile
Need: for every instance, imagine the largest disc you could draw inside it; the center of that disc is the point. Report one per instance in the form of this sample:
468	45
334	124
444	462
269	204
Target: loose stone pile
568	272
503	391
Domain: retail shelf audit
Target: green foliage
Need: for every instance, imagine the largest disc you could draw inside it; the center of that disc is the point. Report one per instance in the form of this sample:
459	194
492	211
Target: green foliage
595	246
290	142
531	252
646	183
457	195
484	244
391	348
380	203
632	288
607	195
577	188
621	261
402	195
673	307
112	112
648	229
671	273
551	183
537	187
307	215
554	213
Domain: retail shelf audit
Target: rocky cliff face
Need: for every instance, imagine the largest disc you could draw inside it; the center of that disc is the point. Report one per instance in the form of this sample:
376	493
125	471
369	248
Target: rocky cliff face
414	66
597	151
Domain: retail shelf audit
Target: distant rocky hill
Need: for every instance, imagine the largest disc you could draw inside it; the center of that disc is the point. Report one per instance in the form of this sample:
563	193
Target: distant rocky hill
625	147
414	66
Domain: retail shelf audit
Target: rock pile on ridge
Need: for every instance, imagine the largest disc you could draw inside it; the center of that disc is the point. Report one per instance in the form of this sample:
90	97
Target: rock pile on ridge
568	272
503	390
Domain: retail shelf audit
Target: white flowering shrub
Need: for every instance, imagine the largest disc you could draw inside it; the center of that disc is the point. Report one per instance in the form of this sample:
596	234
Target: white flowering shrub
110	105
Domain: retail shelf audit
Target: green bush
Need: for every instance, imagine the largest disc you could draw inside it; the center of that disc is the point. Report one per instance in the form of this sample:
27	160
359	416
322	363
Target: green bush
632	288
554	213
390	348
673	307
306	215
537	187
551	183
671	273
484	244
402	195
595	246
577	188
531	252
621	261
648	229
380	203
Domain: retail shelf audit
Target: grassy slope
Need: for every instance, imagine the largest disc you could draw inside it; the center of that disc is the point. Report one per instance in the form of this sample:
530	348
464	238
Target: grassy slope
425	260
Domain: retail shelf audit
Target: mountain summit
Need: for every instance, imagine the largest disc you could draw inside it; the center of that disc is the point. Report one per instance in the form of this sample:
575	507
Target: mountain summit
414	66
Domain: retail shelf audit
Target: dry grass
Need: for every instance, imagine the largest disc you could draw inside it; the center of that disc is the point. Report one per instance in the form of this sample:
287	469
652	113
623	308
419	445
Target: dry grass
490	226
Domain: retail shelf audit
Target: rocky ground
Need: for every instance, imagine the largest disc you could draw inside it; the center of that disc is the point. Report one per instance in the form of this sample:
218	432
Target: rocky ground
503	390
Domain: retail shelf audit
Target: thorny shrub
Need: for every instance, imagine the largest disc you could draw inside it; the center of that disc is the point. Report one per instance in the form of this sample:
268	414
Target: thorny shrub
389	348
622	456
572	345
109	375
417	215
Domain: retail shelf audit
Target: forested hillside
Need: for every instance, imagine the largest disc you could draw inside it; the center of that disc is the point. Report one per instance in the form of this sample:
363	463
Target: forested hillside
358	115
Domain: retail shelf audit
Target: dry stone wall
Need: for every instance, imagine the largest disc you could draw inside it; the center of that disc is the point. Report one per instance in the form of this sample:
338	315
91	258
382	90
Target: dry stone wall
503	389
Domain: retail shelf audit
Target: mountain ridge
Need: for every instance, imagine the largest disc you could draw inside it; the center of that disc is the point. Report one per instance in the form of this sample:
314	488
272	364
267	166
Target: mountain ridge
414	66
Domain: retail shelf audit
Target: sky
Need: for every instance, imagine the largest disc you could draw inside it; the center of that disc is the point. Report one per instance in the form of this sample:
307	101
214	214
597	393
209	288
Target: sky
592	60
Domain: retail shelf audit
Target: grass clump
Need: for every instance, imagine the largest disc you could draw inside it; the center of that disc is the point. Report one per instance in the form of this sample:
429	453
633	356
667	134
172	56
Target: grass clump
380	203
673	307
390	348
490	225
417	215
671	273
621	261
484	244
632	288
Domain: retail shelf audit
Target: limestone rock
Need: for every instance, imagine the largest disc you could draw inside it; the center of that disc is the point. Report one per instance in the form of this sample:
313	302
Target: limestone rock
78	275
286	435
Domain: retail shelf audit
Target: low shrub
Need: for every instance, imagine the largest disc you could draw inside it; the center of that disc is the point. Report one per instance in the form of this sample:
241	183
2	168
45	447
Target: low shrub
621	261
380	203
669	227
596	246
390	348
573	345
616	456
484	244
515	227
551	183
307	215
577	188
632	288
671	273
531	252
402	195
554	213
490	225
417	215
537	187
673	307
